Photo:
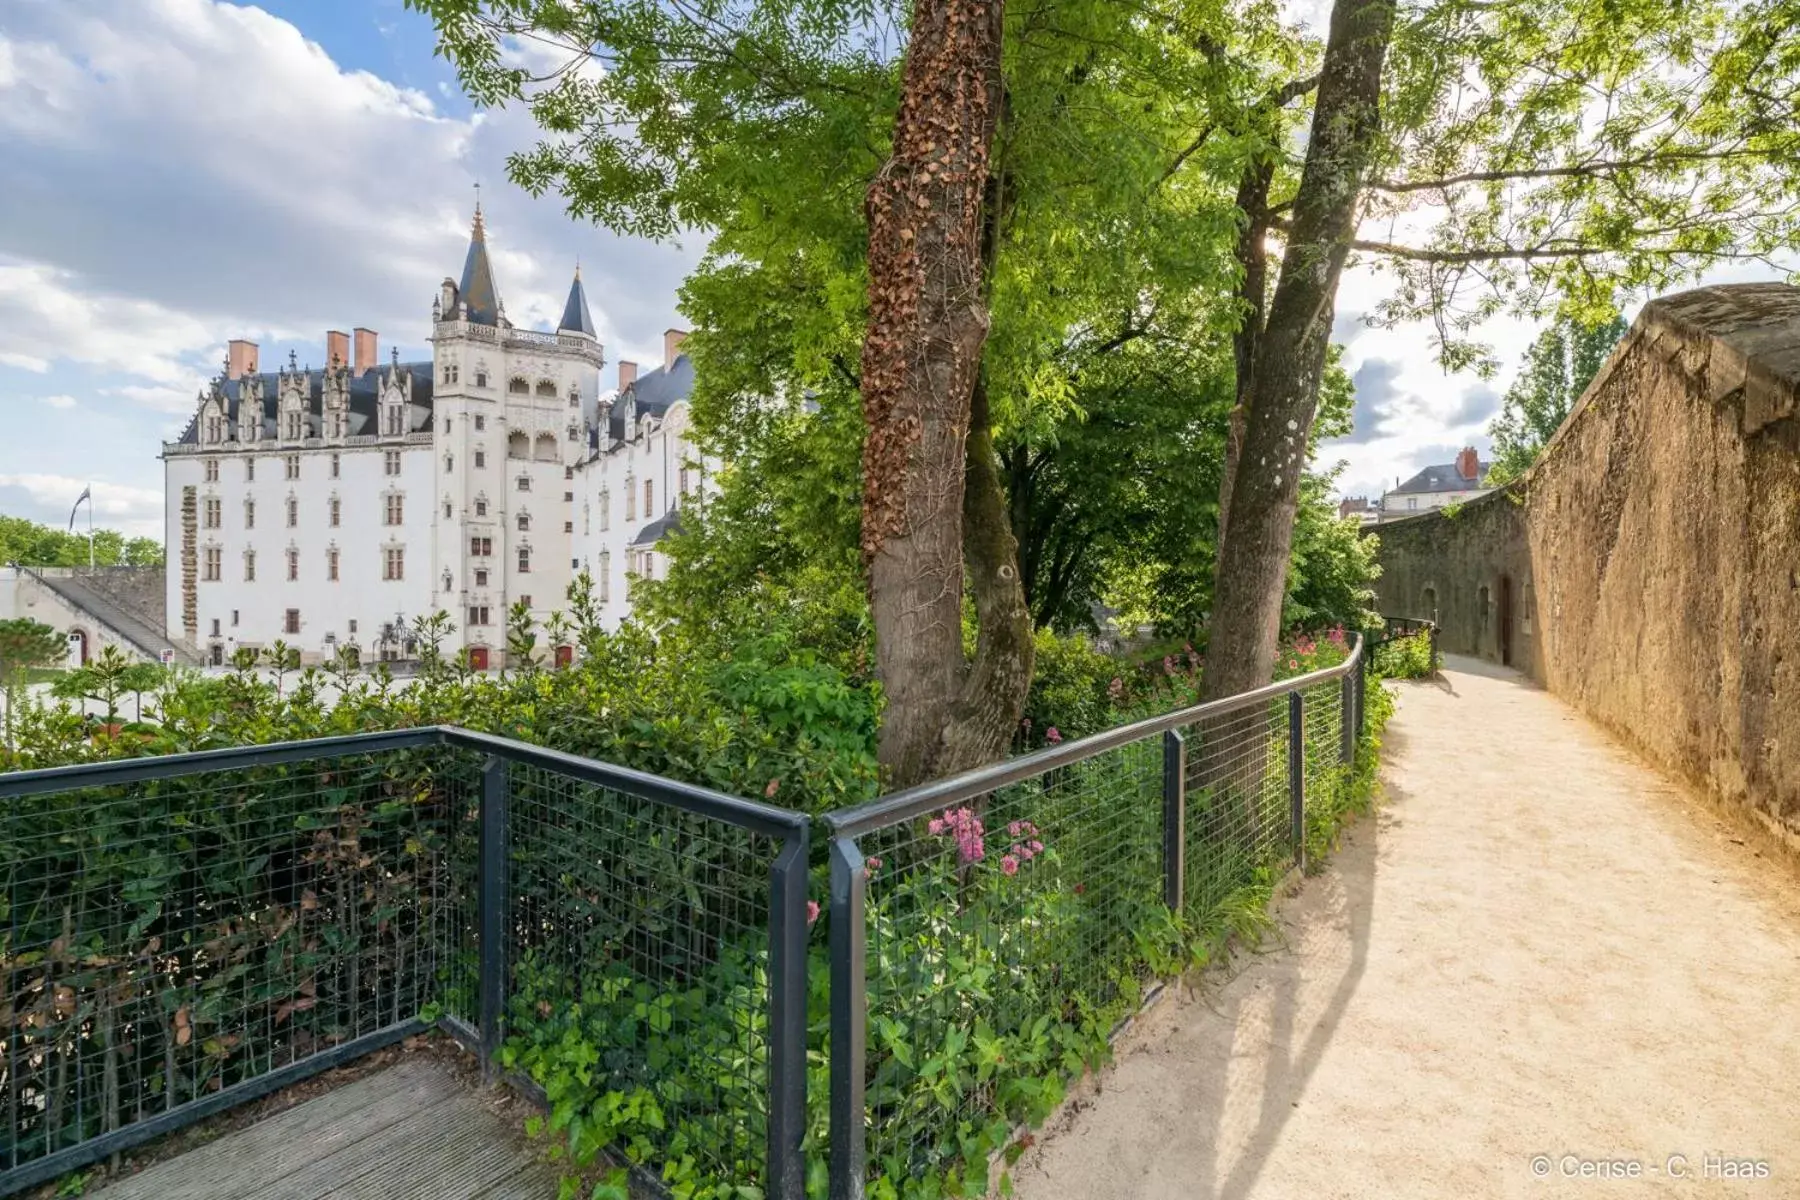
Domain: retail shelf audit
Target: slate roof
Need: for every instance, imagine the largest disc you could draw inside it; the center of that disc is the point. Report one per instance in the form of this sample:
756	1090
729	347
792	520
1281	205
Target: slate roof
575	316
655	531
1443	478
653	394
365	400
477	288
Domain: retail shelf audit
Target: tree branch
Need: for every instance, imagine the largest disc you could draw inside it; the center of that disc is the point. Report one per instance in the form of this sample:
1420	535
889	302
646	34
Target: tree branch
1604	167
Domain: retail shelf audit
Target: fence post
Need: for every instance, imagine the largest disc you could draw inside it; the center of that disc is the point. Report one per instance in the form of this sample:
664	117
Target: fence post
787	1018
1434	647
1297	774
849	1020
1347	718
1174	818
491	905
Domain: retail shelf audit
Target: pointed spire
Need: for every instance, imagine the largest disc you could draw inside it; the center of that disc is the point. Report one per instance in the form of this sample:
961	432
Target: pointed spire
575	317
477	291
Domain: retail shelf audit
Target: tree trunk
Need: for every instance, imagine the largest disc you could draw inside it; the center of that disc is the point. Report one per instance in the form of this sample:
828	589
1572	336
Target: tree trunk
1290	356
928	323
1253	292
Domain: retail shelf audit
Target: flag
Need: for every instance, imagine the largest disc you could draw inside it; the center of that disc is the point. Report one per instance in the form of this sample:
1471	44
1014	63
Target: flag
87	497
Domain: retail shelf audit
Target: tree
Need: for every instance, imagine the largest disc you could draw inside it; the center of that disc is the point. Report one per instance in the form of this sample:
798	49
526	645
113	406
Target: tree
25	644
1560	364
1573	149
30	544
786	130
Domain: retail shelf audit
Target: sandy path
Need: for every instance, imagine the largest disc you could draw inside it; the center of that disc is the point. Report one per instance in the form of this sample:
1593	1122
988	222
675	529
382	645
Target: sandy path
1539	946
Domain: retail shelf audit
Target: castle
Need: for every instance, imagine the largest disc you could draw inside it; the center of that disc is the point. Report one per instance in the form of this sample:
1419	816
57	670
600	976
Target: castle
330	508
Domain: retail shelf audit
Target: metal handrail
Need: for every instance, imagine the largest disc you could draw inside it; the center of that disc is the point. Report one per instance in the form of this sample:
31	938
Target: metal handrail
943	793
787	921
849	867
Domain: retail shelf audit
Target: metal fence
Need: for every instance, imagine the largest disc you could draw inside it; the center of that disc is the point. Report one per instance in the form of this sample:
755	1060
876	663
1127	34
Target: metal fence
182	934
179	935
1394	629
989	931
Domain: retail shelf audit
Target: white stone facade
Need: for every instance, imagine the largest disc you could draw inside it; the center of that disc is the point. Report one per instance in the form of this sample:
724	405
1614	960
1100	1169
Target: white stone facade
642	473
359	495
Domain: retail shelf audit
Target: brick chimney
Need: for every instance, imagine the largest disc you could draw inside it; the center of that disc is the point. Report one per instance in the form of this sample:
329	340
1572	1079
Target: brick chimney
627	374
337	348
240	358
365	352
672	339
1468	464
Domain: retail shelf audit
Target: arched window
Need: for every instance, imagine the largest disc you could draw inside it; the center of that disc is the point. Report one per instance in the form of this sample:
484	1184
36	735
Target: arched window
546	387
518	385
546	447
518	444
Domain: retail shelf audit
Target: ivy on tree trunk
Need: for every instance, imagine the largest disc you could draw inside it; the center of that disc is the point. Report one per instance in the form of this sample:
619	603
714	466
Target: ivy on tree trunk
929	470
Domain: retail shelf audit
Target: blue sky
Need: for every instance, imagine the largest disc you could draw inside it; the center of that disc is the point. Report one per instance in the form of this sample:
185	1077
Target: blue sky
183	172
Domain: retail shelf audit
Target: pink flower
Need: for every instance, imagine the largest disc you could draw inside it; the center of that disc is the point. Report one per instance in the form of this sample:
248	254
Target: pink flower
1293	664
812	911
963	825
1013	829
1037	847
769	792
1009	865
1051	735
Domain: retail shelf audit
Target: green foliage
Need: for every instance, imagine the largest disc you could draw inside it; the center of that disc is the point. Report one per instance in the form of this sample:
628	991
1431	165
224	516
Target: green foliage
1072	692
25	643
29	544
1331	565
1407	657
1560	364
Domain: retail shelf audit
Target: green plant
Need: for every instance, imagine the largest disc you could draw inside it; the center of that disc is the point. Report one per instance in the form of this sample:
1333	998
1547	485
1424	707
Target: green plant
1406	657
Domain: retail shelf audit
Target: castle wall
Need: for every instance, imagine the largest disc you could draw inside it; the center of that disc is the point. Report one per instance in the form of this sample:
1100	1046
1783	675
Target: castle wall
1653	549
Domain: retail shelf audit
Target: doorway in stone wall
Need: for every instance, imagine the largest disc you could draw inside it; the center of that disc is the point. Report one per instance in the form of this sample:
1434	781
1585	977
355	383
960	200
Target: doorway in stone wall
1505	621
1483	602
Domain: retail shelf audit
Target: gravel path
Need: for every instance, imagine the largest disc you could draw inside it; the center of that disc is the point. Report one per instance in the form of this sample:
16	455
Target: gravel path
1539	946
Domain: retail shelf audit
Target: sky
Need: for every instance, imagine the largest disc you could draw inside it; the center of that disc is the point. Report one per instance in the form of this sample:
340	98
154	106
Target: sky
183	172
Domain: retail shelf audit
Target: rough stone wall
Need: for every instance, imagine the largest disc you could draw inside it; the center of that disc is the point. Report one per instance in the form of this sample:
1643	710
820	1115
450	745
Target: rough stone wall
1654	551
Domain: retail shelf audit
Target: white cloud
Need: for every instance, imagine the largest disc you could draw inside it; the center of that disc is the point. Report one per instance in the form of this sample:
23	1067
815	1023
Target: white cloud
181	172
134	510
59	401
44	309
180	399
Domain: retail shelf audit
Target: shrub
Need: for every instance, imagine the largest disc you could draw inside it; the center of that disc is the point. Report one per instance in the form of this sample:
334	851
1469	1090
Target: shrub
1407	657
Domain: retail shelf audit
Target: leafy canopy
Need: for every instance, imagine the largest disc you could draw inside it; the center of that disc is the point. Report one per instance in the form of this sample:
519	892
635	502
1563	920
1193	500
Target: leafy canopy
1560	364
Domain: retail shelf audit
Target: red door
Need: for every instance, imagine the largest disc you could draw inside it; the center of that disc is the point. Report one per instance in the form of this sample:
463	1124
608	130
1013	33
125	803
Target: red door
478	658
565	655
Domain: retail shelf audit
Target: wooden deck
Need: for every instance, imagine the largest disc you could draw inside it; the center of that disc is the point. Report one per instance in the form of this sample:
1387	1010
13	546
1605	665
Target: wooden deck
410	1132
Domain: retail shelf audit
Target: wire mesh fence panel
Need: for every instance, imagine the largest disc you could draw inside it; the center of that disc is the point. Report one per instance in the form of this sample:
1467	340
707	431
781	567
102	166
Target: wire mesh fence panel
1238	826
1005	938
638	992
1327	773
165	940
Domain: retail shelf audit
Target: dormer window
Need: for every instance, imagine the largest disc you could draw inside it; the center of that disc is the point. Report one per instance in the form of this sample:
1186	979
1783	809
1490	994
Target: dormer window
215	429
293	425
